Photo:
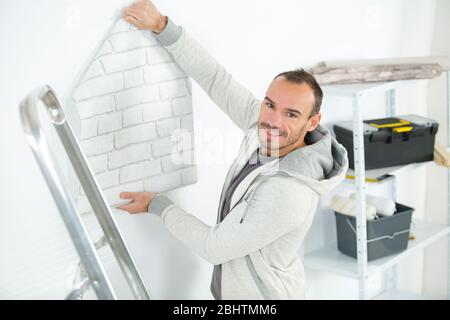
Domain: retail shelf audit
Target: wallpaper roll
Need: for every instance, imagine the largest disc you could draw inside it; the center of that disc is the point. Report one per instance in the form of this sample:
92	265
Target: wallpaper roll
443	61
383	206
135	106
374	73
349	207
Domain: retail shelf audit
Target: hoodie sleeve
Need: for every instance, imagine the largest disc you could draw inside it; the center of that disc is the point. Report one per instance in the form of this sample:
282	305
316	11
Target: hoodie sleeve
234	99
275	208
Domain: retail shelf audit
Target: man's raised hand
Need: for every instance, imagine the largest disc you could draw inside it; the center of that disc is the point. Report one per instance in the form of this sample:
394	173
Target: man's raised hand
144	15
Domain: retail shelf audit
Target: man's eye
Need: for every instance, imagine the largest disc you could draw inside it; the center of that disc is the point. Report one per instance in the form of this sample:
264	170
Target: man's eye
292	115
269	105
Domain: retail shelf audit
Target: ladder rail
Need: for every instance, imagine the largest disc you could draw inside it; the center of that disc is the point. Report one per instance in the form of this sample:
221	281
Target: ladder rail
53	175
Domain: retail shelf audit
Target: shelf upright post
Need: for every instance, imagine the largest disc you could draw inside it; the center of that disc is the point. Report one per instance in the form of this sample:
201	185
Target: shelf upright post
360	177
391	112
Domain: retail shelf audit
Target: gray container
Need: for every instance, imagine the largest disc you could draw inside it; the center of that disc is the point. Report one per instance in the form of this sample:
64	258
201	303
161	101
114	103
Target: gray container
385	236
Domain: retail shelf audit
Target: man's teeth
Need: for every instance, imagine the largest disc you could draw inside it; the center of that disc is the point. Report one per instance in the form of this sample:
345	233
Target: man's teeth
274	133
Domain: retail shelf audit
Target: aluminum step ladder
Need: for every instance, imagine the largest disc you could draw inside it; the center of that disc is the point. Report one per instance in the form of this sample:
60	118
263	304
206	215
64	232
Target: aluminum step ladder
90	268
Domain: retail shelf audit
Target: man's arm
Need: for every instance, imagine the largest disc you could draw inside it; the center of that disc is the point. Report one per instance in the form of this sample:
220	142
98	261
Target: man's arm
270	213
233	98
267	214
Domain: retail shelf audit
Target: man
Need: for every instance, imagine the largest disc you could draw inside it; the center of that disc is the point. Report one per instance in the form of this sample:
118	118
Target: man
286	161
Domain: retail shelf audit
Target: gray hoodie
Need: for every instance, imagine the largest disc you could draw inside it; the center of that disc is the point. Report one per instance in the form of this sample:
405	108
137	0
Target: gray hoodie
271	209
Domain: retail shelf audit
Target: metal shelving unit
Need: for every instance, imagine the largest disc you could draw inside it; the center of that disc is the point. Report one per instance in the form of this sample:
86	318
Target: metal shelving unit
328	258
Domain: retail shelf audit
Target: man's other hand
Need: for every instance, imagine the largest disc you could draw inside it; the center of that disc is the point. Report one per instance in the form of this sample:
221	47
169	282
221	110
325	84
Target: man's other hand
140	201
144	15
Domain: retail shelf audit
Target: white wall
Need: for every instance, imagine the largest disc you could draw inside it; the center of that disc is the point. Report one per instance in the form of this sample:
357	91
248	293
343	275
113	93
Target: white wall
48	42
437	259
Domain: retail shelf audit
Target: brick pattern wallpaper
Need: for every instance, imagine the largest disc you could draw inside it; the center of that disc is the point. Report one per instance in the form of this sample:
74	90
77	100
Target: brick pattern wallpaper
135	107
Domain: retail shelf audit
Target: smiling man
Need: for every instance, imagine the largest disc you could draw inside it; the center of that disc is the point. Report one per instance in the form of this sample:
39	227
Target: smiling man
289	110
286	161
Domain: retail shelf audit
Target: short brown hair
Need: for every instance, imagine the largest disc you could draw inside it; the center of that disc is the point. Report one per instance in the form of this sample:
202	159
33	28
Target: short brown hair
301	76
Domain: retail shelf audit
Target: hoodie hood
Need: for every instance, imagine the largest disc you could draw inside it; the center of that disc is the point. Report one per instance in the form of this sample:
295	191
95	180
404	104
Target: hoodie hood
322	164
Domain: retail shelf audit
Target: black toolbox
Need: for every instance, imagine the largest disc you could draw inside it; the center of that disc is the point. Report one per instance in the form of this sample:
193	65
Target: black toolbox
385	236
390	142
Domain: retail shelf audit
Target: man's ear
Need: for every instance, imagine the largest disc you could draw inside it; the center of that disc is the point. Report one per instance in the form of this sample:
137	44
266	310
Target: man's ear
314	121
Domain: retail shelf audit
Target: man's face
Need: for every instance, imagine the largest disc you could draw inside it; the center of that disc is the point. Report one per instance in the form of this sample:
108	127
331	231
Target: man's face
283	119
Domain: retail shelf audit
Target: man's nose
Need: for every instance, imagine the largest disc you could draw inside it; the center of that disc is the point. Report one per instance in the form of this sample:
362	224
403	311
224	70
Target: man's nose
274	119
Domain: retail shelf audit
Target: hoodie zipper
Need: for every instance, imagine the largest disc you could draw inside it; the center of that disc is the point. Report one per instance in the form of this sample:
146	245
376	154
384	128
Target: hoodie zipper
231	172
245	199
